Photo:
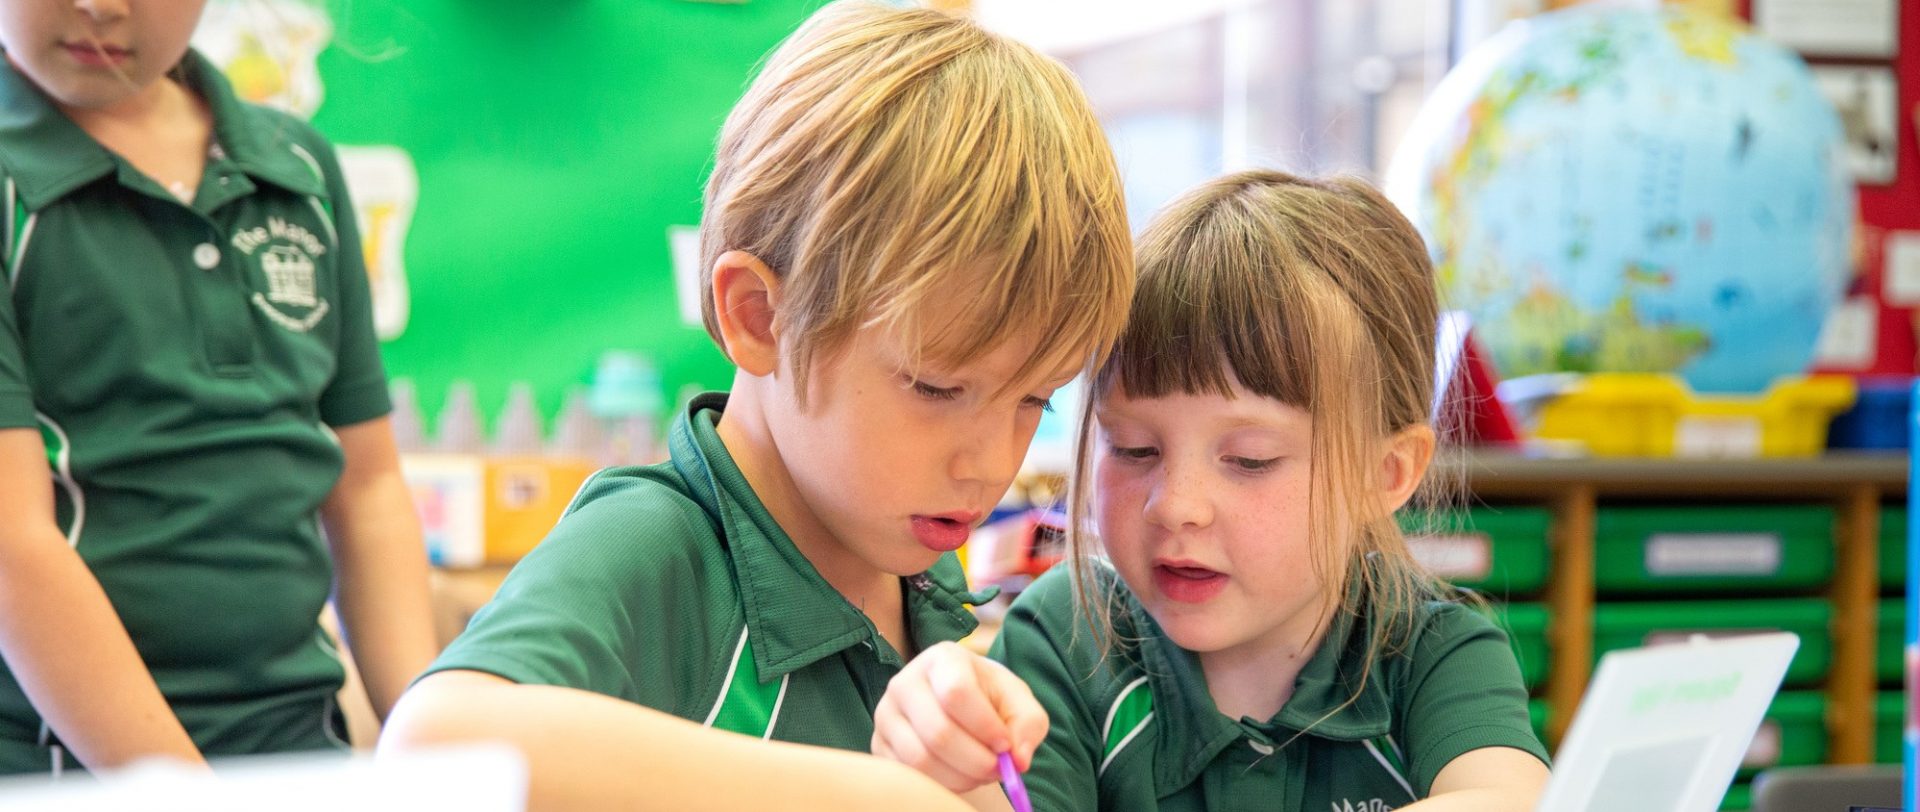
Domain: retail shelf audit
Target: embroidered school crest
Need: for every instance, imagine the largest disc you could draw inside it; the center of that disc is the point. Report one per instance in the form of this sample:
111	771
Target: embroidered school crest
286	254
289	276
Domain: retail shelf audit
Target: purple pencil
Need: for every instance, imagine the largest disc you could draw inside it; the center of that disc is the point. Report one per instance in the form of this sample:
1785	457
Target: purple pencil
1016	789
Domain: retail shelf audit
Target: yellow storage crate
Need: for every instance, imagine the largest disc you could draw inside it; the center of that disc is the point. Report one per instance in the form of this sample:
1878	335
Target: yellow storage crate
1647	415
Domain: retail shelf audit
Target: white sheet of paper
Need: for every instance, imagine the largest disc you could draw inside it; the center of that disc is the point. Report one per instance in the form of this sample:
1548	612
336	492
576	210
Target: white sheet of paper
1867	99
683	245
488	778
1850	335
1901	284
1663	729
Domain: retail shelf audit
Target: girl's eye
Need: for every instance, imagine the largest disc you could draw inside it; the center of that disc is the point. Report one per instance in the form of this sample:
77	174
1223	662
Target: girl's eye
1133	453
928	390
1252	465
1043	404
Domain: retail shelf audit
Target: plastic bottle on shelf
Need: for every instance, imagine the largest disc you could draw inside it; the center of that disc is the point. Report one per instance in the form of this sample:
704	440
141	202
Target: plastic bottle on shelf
627	396
518	432
577	434
457	428
409	427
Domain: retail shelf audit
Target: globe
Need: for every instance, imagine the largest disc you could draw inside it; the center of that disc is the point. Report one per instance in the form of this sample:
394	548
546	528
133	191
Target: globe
1622	190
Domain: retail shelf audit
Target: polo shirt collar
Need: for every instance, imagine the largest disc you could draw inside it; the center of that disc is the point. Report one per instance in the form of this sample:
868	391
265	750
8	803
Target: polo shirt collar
48	156
794	617
44	152
1193	731
260	144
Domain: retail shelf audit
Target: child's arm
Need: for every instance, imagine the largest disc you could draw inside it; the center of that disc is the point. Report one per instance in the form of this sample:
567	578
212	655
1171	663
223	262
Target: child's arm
1466	731
1490	779
60	634
950	713
588	751
380	563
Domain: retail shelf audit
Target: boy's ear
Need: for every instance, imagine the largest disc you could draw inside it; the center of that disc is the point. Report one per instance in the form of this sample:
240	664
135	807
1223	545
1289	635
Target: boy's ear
1404	465
745	293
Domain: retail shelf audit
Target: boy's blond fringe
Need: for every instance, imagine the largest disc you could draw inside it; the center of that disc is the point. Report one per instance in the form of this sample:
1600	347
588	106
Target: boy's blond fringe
906	169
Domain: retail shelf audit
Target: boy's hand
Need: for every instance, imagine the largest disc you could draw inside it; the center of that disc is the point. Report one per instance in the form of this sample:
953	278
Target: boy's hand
950	713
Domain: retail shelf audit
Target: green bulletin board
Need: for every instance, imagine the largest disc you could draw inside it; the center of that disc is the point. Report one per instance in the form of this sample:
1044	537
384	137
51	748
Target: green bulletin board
555	143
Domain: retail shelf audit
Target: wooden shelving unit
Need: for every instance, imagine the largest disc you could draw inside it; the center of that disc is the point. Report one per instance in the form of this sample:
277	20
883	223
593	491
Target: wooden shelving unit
1856	484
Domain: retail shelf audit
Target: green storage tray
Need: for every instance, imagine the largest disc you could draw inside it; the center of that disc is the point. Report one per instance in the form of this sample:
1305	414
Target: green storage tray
1734	548
1889	708
1739	798
1893	548
1794	732
1890	639
1629	625
1500	550
1526	627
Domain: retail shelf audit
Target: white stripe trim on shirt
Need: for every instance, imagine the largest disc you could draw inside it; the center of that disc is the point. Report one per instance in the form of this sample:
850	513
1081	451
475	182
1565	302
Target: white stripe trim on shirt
721	700
20	249
1388	766
1106	730
781	699
325	220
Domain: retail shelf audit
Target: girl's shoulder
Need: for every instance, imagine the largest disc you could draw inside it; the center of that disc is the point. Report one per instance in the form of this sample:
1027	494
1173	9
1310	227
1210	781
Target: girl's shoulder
1056	603
1451	634
1047	621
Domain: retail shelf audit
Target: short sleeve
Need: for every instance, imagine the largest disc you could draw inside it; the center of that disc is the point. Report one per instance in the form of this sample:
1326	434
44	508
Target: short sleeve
615	601
16	395
1463	692
358	391
1037	642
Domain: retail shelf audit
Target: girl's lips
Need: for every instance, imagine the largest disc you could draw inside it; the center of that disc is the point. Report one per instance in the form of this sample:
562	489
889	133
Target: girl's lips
1188	584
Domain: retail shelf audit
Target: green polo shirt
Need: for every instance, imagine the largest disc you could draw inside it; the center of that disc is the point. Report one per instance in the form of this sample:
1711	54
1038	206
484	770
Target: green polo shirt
1139	730
183	363
670	586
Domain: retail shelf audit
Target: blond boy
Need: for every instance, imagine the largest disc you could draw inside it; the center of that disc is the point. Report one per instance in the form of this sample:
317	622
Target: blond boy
913	234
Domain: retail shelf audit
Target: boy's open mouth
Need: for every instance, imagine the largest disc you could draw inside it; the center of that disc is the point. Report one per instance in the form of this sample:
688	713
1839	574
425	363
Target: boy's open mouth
942	533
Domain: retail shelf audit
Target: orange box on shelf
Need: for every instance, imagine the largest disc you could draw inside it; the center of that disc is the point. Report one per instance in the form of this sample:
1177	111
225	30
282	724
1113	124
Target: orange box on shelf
477	510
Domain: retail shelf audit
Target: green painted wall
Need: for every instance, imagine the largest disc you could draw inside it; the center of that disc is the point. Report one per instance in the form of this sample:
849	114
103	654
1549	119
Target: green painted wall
555	141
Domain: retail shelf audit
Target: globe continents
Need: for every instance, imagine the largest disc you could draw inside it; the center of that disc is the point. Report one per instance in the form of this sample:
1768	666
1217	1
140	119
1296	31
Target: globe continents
1633	191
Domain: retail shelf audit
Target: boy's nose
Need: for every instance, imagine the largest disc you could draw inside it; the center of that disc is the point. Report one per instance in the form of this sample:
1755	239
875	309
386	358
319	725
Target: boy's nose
990	456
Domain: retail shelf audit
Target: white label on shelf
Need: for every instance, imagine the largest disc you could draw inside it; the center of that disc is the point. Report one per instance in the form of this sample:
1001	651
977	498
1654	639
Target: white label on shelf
1717	437
1765	749
1685	554
1454	555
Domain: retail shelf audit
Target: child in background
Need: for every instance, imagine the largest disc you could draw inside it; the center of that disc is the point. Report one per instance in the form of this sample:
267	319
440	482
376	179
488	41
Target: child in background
1257	634
913	234
187	342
